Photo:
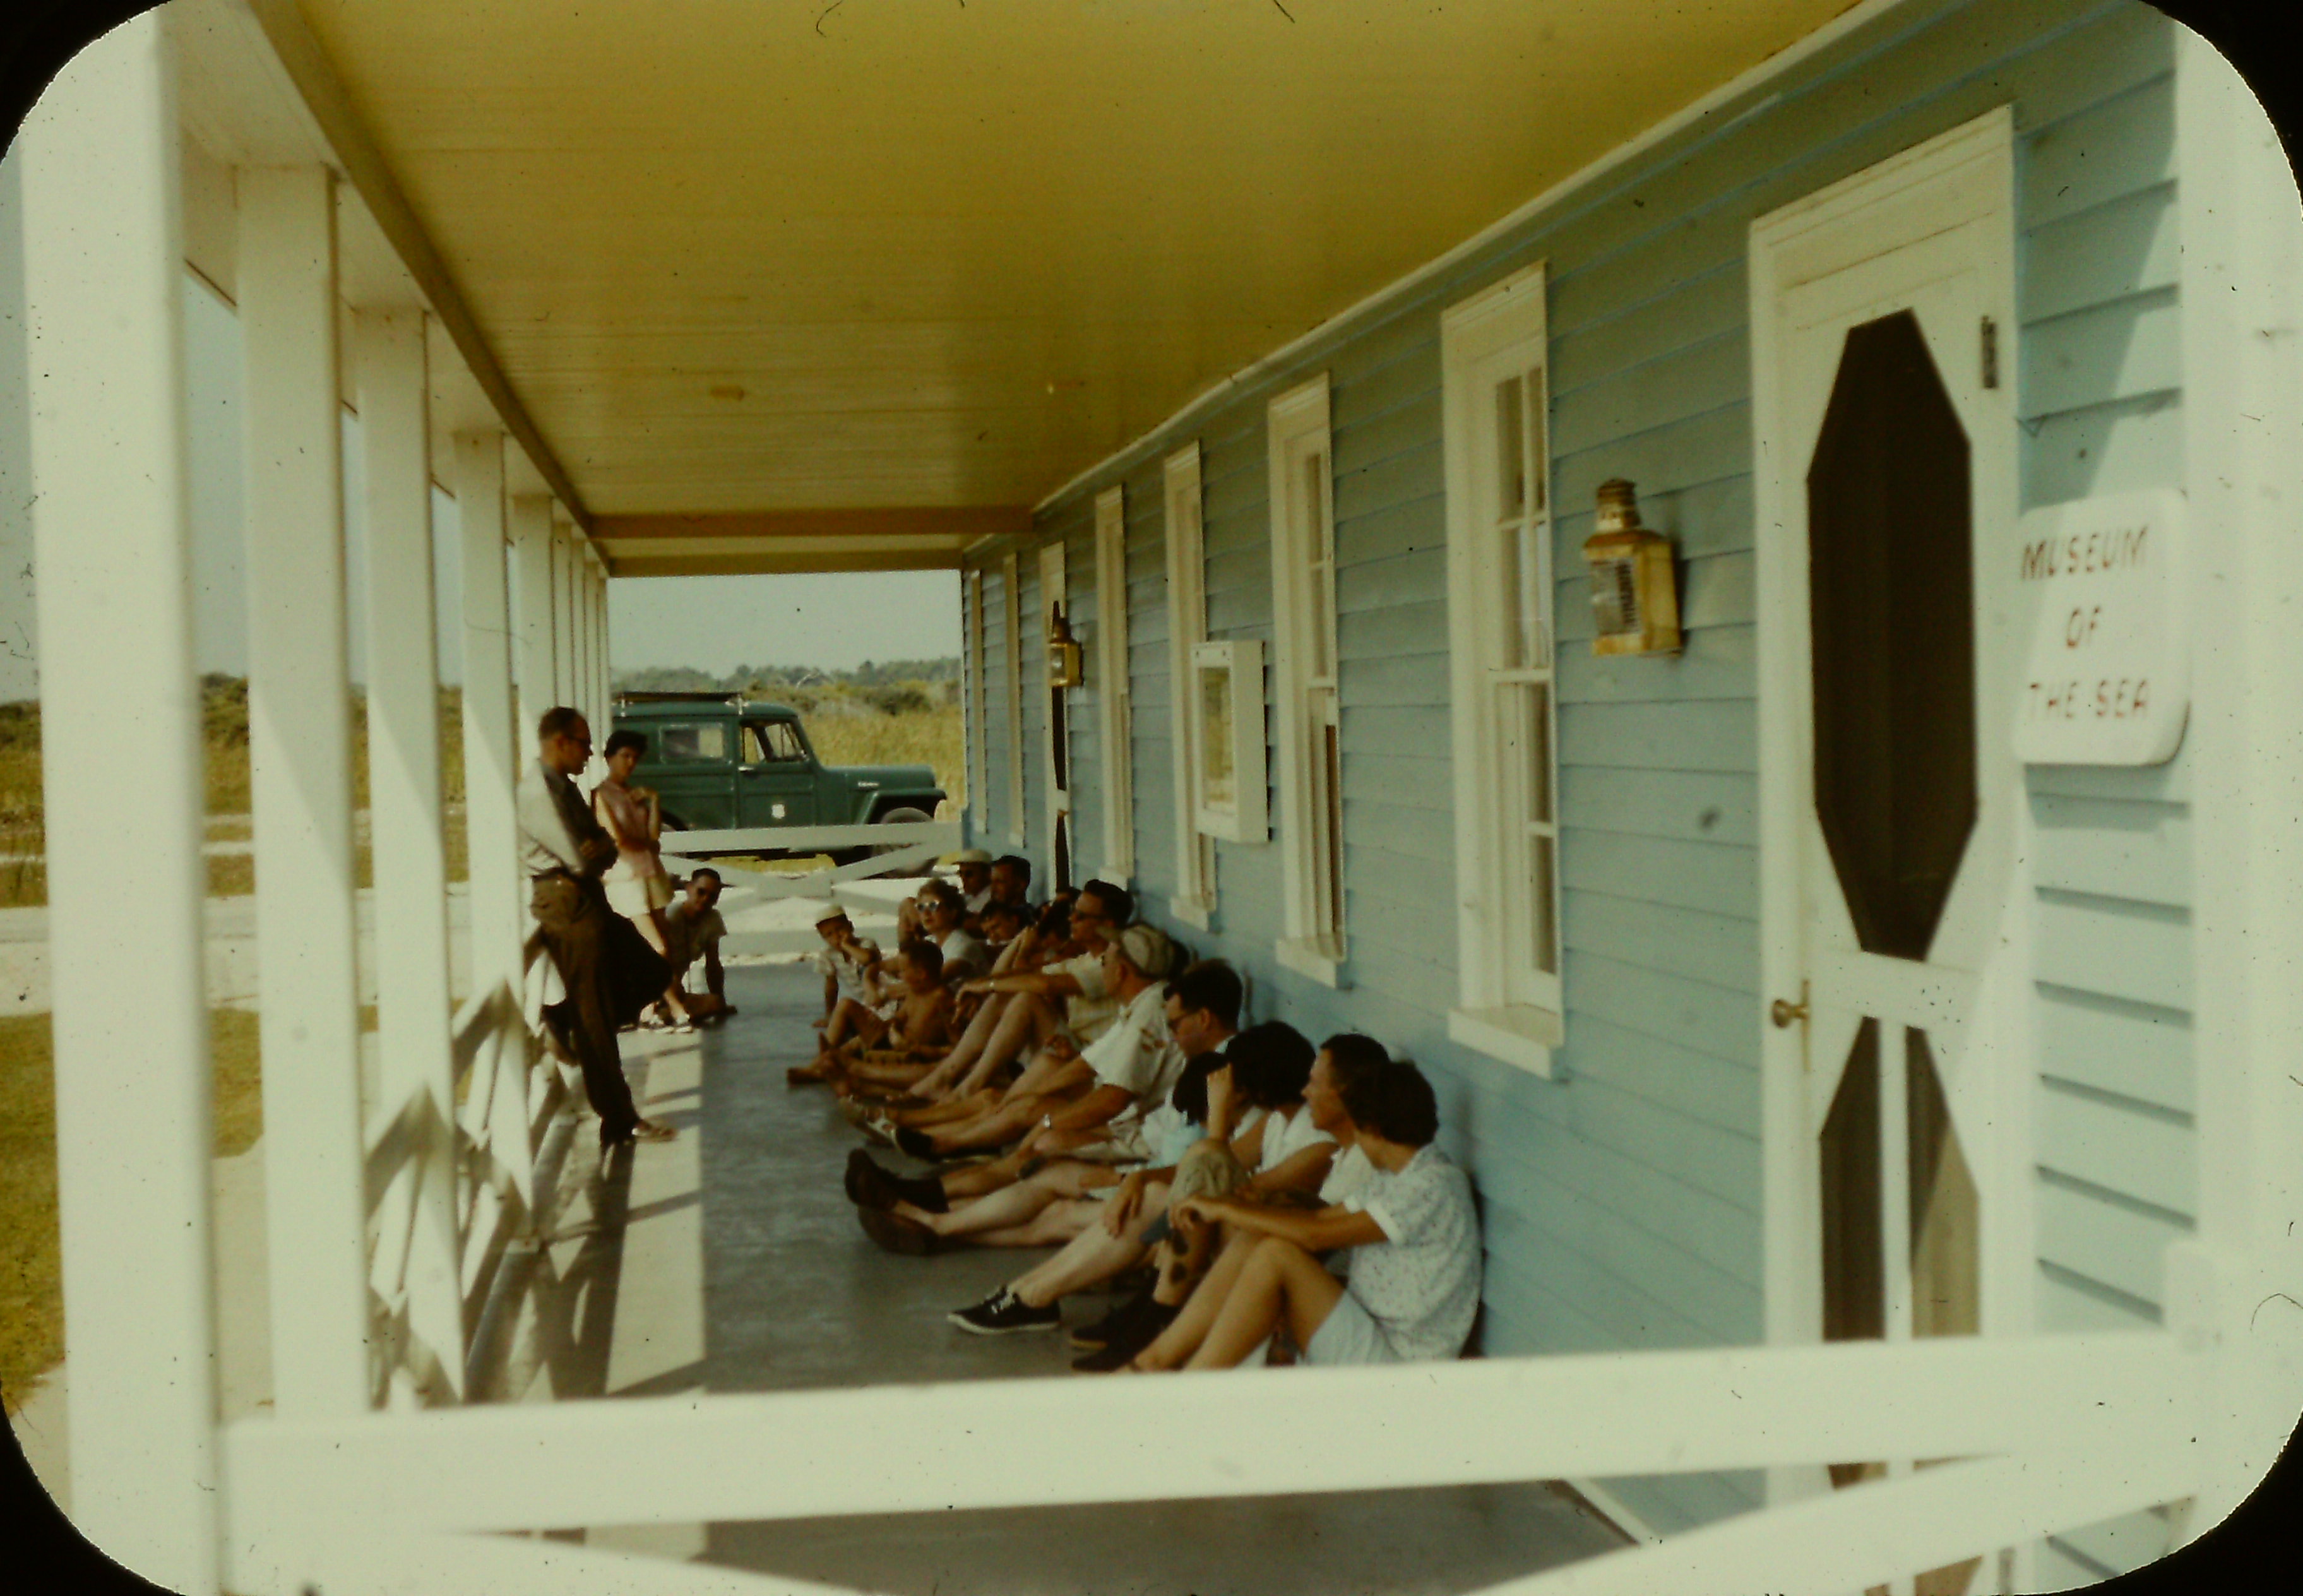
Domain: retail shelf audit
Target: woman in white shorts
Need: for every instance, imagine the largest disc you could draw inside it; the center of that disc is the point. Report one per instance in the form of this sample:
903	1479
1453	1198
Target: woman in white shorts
638	886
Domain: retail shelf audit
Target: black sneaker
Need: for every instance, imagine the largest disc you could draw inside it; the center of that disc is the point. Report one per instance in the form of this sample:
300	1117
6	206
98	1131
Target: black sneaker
1090	1337
1129	1339
916	1141
998	1294
1003	1314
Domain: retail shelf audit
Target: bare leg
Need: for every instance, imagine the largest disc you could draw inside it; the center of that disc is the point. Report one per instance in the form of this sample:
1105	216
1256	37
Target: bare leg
950	1112
1091	1257
1014	1202
1030	1019
1057	1223
1002	1125
1281	1284
996	1211
969	1048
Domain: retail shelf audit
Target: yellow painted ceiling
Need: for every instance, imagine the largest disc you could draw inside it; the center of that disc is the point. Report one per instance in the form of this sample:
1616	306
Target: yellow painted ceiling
769	255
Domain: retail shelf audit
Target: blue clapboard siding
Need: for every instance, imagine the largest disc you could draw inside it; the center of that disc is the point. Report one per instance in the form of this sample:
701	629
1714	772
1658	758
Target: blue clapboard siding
1622	1201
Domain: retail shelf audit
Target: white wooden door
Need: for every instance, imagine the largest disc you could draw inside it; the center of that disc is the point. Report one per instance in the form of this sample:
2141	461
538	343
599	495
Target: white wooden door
1894	953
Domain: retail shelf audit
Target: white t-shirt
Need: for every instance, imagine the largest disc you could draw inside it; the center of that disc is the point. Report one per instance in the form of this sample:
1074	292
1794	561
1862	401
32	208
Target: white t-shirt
1348	1178
1421	1284
1088	1016
1283	1138
1138	1054
847	973
964	956
1168	1134
977	902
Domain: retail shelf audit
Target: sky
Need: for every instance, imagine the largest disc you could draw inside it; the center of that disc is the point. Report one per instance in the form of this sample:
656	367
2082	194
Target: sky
714	623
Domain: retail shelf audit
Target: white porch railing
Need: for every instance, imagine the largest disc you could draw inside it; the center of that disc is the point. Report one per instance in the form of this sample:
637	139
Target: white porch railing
907	846
2049	1433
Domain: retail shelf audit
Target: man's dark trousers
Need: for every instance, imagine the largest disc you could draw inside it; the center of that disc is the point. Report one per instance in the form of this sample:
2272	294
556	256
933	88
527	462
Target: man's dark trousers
578	931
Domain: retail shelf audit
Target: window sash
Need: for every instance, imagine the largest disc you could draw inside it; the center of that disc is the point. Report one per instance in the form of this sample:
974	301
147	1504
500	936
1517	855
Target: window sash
1503	583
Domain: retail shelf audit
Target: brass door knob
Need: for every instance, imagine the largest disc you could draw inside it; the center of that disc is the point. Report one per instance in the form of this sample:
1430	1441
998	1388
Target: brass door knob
1786	1013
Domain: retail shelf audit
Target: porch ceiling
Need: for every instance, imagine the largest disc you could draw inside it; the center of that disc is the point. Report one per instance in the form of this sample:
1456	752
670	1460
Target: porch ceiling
764	256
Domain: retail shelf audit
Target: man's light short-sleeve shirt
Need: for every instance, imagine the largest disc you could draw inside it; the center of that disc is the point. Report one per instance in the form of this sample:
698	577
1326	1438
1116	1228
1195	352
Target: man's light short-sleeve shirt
690	934
1089	1015
1421	1285
1138	1054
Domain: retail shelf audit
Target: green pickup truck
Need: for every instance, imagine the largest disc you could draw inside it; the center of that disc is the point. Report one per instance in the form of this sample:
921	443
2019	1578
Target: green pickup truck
718	763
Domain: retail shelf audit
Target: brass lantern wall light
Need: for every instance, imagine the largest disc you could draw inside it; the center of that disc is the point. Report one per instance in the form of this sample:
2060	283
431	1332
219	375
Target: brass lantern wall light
1634	586
1063	650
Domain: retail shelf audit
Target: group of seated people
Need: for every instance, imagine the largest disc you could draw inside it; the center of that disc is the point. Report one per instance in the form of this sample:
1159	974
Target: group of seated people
1068	1079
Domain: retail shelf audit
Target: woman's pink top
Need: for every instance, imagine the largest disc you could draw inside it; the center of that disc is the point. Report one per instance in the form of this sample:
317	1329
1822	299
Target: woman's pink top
626	817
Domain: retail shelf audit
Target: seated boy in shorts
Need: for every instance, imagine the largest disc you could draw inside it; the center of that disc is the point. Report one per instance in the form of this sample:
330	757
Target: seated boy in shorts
913	1021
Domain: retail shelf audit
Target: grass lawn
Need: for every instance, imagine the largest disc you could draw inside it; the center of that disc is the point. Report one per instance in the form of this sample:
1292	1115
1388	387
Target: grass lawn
32	1280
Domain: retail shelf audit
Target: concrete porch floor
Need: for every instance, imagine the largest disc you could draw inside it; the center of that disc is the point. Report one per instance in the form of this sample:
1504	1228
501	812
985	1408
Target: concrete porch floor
794	1296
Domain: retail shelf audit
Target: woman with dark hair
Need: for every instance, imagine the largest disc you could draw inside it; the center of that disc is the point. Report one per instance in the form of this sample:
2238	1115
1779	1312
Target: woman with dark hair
638	886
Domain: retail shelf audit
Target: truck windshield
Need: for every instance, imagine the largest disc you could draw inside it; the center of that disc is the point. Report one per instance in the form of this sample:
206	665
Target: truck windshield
772	742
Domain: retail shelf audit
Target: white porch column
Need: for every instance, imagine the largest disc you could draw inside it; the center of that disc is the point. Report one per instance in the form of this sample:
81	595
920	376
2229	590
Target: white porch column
404	797
102	273
491	739
300	753
531	553
586	638
604	659
2233	1286
563	608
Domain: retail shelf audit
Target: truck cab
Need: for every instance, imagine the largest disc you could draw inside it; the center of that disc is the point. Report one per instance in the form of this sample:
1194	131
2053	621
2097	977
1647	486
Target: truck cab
718	761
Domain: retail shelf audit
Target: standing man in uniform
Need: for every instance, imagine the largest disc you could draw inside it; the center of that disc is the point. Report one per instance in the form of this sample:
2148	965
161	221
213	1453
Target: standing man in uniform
564	849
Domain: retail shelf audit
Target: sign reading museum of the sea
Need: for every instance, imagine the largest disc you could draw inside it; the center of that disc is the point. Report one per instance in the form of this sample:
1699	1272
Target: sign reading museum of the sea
2108	678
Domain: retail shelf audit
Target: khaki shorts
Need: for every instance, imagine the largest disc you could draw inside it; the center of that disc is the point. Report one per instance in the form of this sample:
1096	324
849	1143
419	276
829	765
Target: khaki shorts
1207	1169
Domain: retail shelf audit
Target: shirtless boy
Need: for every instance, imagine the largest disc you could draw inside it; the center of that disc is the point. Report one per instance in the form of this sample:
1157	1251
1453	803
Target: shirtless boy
916	1024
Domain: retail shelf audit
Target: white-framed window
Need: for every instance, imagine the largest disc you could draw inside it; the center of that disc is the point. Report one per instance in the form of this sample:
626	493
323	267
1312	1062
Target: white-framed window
1227	688
1195	900
979	771
1306	682
1495	409
1011	617
1115	701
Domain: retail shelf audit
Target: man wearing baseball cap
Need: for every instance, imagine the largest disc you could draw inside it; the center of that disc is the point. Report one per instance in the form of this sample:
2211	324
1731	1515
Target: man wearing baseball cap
975	868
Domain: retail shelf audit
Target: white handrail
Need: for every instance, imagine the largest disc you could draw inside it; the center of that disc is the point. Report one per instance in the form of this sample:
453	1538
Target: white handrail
805	1454
943	835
